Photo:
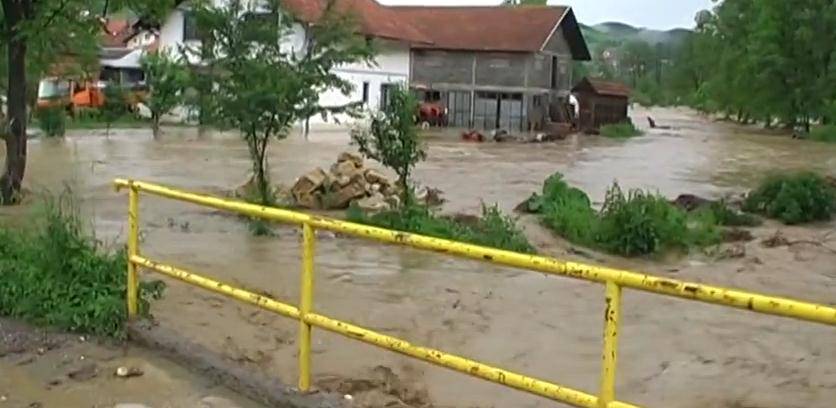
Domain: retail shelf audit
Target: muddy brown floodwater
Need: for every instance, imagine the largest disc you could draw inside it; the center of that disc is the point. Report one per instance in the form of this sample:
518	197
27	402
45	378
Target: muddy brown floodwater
673	353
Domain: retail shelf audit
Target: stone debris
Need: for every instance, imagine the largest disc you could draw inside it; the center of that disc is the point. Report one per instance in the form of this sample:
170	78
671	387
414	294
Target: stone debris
349	182
128	372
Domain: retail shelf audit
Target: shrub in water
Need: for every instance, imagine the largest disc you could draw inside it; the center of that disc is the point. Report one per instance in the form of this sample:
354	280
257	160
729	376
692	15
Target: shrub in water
793	198
52	121
492	229
620	131
637	223
53	273
824	133
642	223
566	210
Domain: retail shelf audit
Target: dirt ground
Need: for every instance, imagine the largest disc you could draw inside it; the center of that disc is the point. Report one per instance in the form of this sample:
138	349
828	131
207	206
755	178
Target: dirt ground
673	353
47	370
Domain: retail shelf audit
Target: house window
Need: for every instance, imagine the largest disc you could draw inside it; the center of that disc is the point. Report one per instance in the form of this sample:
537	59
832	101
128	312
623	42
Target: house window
365	92
190	31
554	72
386	95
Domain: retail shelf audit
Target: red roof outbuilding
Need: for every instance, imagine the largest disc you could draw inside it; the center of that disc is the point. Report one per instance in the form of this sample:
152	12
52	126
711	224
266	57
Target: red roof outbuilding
505	29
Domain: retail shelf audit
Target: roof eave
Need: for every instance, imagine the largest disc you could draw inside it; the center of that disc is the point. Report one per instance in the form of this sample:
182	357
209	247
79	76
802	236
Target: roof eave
573	34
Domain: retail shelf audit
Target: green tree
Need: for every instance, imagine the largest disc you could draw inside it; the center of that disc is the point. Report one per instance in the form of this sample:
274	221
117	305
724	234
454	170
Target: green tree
167	78
392	139
33	34
262	88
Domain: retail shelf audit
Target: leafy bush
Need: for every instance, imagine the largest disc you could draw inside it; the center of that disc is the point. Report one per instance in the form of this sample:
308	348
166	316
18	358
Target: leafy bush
793	198
824	133
728	217
637	223
566	210
52	121
492	229
642	223
54	273
620	131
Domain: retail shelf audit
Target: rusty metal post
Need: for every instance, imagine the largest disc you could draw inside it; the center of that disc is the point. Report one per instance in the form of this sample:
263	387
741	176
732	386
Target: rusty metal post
305	305
133	250
612	318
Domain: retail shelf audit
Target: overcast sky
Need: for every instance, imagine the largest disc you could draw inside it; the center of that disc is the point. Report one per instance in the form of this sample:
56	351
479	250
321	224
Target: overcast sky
658	14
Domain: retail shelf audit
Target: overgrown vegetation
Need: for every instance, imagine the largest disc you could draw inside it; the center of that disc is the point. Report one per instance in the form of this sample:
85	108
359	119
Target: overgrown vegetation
631	224
52	121
724	215
793	198
620	131
492	229
257	85
54	273
824	133
115	106
392	139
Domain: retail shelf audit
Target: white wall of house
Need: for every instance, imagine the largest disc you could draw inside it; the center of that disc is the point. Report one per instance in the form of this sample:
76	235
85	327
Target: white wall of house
392	66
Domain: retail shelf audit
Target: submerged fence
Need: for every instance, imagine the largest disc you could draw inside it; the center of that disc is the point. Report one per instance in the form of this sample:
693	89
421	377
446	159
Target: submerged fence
613	279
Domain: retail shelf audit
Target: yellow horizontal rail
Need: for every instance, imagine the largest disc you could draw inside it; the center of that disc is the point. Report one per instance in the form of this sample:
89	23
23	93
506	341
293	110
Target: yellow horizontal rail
773	305
453	362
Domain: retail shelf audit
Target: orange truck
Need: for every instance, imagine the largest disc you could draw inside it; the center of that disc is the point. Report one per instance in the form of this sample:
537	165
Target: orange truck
76	95
70	94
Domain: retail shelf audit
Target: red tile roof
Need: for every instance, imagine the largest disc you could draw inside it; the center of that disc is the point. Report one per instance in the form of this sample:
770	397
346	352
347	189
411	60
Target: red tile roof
602	87
115	33
373	18
514	29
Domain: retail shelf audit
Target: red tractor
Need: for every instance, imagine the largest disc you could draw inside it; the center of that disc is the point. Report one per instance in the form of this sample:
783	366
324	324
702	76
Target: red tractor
432	112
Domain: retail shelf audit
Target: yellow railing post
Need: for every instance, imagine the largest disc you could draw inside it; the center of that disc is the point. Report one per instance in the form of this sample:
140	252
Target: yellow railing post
612	317
133	249
305	305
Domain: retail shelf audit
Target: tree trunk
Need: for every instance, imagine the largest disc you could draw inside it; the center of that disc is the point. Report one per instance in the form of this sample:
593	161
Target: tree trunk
155	126
15	168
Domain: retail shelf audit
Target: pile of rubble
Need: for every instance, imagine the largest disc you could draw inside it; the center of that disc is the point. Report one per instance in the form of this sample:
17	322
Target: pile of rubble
347	182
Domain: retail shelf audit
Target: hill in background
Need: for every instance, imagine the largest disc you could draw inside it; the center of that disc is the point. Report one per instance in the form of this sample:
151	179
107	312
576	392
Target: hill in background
613	34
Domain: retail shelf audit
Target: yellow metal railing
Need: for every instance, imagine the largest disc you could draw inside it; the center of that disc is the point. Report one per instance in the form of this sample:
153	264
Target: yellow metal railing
615	280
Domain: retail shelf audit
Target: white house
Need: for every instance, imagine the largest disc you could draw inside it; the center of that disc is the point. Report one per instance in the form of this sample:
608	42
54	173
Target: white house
391	33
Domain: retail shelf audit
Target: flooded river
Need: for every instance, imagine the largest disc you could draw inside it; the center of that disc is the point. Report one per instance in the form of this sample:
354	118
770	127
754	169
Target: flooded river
674	354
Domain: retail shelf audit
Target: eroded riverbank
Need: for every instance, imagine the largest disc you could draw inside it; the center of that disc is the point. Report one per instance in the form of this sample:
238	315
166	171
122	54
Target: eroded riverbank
674	354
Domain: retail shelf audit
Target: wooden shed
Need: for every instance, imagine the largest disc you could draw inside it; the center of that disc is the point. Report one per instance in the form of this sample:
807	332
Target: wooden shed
601	103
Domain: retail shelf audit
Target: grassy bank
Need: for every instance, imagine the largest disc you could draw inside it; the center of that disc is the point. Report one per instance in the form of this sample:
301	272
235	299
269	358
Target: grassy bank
53	272
630	224
492	229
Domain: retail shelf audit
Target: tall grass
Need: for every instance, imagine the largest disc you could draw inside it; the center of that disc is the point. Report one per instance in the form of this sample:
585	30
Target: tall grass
53	272
492	229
